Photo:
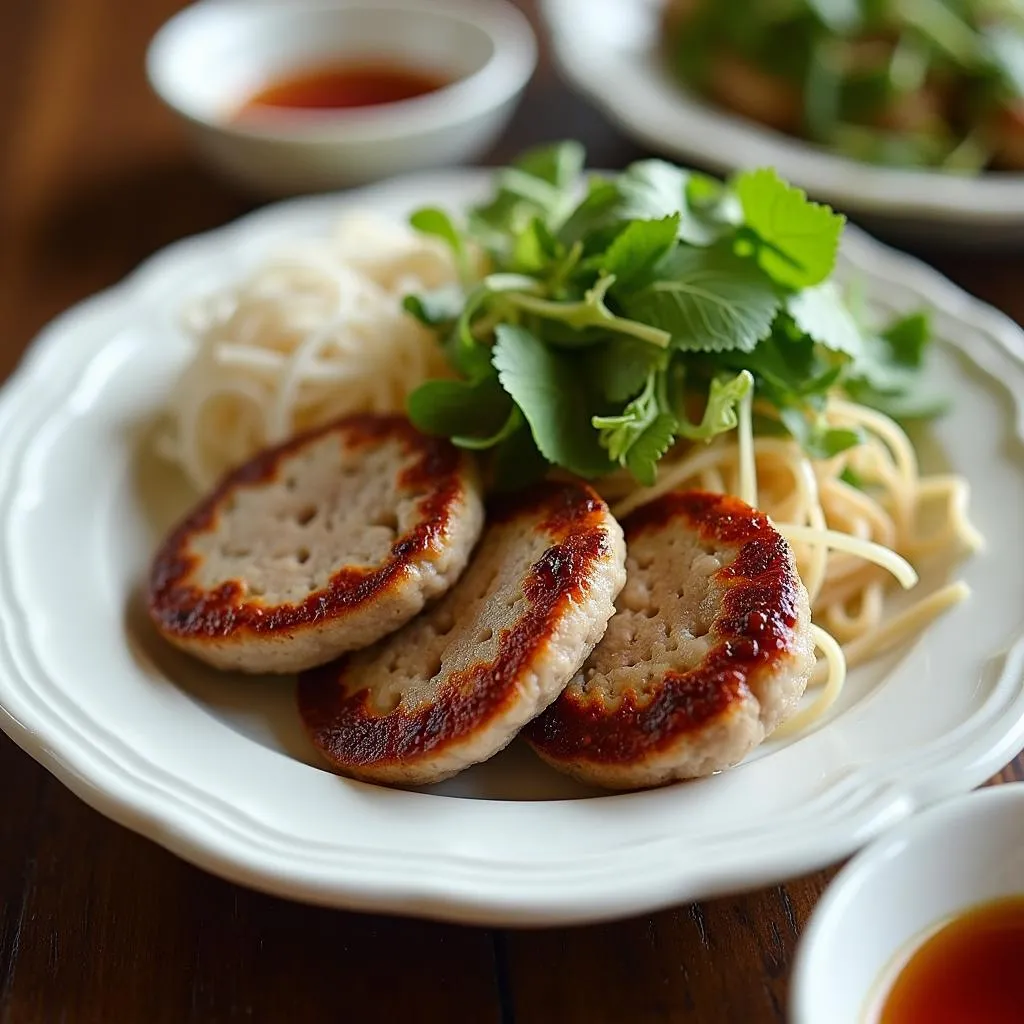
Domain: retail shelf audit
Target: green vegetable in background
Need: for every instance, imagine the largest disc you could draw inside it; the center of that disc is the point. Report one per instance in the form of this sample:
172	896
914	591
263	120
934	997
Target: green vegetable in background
622	313
908	83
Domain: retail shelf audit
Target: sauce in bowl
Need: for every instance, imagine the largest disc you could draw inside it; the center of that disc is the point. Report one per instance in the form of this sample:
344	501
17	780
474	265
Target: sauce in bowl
343	87
968	970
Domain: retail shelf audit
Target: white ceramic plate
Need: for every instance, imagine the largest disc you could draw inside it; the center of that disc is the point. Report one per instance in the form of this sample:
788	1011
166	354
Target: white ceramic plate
216	767
608	50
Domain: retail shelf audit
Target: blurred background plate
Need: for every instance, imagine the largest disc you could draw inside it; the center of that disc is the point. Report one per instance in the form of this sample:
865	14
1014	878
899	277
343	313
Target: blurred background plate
608	50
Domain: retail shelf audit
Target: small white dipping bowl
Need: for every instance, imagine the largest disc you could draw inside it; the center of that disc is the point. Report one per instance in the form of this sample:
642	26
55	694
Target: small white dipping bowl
208	60
892	895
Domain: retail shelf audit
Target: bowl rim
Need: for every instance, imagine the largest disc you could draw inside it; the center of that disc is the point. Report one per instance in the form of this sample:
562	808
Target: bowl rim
877	857
504	74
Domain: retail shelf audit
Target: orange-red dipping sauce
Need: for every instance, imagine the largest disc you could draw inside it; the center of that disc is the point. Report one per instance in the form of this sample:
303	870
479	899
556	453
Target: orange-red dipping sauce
968	972
344	86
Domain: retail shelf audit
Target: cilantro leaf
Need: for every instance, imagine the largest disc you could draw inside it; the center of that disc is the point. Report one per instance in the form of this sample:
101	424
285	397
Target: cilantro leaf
820	313
709	300
619	432
720	412
655	189
643	431
645	452
638	248
541	183
853	478
549	389
798	239
495	224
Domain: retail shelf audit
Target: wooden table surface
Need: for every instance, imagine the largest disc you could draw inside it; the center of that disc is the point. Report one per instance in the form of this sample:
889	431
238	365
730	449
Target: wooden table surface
99	925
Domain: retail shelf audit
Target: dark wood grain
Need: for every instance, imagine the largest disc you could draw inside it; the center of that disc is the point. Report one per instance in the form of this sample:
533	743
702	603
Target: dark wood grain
99	925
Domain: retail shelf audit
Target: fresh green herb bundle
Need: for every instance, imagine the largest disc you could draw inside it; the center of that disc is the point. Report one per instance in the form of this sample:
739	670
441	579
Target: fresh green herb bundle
622	313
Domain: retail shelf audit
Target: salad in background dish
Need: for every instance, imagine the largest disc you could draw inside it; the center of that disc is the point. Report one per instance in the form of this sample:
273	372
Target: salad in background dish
904	83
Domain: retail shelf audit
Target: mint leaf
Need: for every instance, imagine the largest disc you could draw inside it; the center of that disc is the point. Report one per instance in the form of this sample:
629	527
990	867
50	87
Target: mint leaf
655	189
621	366
638	248
432	221
644	454
550	390
437	307
821	313
709	300
720	412
798	238
451	408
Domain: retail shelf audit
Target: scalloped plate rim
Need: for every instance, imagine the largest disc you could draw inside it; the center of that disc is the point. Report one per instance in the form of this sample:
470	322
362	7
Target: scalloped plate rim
498	897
